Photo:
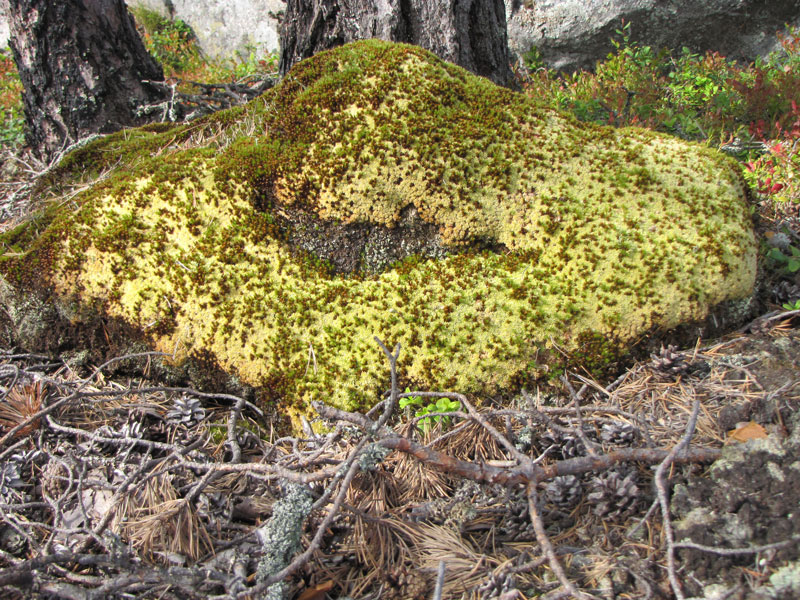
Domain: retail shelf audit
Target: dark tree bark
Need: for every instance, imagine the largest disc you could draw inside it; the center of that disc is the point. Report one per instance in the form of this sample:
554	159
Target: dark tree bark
470	33
81	63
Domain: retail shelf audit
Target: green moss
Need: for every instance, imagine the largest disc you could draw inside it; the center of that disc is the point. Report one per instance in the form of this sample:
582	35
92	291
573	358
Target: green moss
596	235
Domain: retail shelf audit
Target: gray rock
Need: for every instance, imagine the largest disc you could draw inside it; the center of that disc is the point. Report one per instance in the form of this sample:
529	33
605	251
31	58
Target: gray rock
570	34
750	498
225	28
574	34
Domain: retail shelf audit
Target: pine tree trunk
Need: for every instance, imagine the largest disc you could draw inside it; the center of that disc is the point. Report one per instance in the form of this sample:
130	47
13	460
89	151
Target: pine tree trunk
81	63
470	33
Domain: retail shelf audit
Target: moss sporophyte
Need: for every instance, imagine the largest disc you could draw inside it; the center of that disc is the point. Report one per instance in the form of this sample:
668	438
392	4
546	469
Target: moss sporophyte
379	191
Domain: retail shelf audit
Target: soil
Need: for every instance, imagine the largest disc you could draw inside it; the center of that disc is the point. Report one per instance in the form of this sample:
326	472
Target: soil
751	495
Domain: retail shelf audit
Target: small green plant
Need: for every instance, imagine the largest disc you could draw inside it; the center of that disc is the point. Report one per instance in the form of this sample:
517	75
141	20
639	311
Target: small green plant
533	60
792	305
438	405
790	262
256	63
12	118
218	433
170	42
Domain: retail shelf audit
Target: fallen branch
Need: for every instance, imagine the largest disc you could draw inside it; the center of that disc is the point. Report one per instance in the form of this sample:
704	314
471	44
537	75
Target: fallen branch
209	98
485	473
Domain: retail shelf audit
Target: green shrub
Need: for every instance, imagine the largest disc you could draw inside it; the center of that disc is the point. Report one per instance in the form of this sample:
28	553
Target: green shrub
692	96
705	98
174	45
12	118
171	42
776	174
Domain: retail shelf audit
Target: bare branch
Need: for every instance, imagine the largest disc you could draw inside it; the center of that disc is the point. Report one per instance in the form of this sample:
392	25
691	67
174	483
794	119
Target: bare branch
738	551
547	547
661	488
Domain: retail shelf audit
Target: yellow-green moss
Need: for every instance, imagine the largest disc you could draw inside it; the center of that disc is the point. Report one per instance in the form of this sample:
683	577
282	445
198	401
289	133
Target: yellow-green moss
603	234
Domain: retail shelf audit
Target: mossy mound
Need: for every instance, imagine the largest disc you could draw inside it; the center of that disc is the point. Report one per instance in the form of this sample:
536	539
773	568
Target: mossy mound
378	191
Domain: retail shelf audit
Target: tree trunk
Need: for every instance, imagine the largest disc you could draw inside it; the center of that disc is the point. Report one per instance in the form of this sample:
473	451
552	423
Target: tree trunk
470	33
81	63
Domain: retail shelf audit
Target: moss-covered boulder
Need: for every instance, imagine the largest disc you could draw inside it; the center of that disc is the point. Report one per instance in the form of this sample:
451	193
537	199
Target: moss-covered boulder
378	191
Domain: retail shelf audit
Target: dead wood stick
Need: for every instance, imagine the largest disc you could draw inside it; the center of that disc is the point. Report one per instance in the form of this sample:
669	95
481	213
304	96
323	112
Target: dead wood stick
547	546
661	488
482	472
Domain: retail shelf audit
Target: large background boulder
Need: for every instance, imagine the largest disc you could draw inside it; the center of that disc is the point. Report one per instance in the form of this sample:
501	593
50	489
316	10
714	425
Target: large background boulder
379	191
226	28
570	34
574	34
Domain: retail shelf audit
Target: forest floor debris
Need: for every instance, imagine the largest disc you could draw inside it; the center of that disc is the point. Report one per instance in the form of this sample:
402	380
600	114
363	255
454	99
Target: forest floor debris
114	486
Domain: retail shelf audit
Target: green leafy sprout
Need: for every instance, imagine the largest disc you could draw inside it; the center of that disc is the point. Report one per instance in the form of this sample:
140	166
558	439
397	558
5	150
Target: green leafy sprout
792	305
790	262
421	408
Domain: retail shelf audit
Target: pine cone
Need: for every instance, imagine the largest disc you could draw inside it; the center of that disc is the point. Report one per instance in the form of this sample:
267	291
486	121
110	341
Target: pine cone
619	433
129	430
10	480
53	478
516	522
668	362
786	292
400	584
187	411
614	495
497	584
569	445
564	492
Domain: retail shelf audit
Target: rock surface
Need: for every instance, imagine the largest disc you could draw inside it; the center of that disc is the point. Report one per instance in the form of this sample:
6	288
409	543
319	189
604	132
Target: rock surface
750	499
225	28
378	191
575	34
751	494
570	34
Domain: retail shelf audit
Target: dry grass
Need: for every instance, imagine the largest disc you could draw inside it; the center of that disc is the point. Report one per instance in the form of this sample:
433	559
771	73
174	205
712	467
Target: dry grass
162	525
20	403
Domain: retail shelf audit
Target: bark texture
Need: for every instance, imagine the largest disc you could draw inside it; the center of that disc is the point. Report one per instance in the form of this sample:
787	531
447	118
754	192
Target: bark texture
81	63
469	33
